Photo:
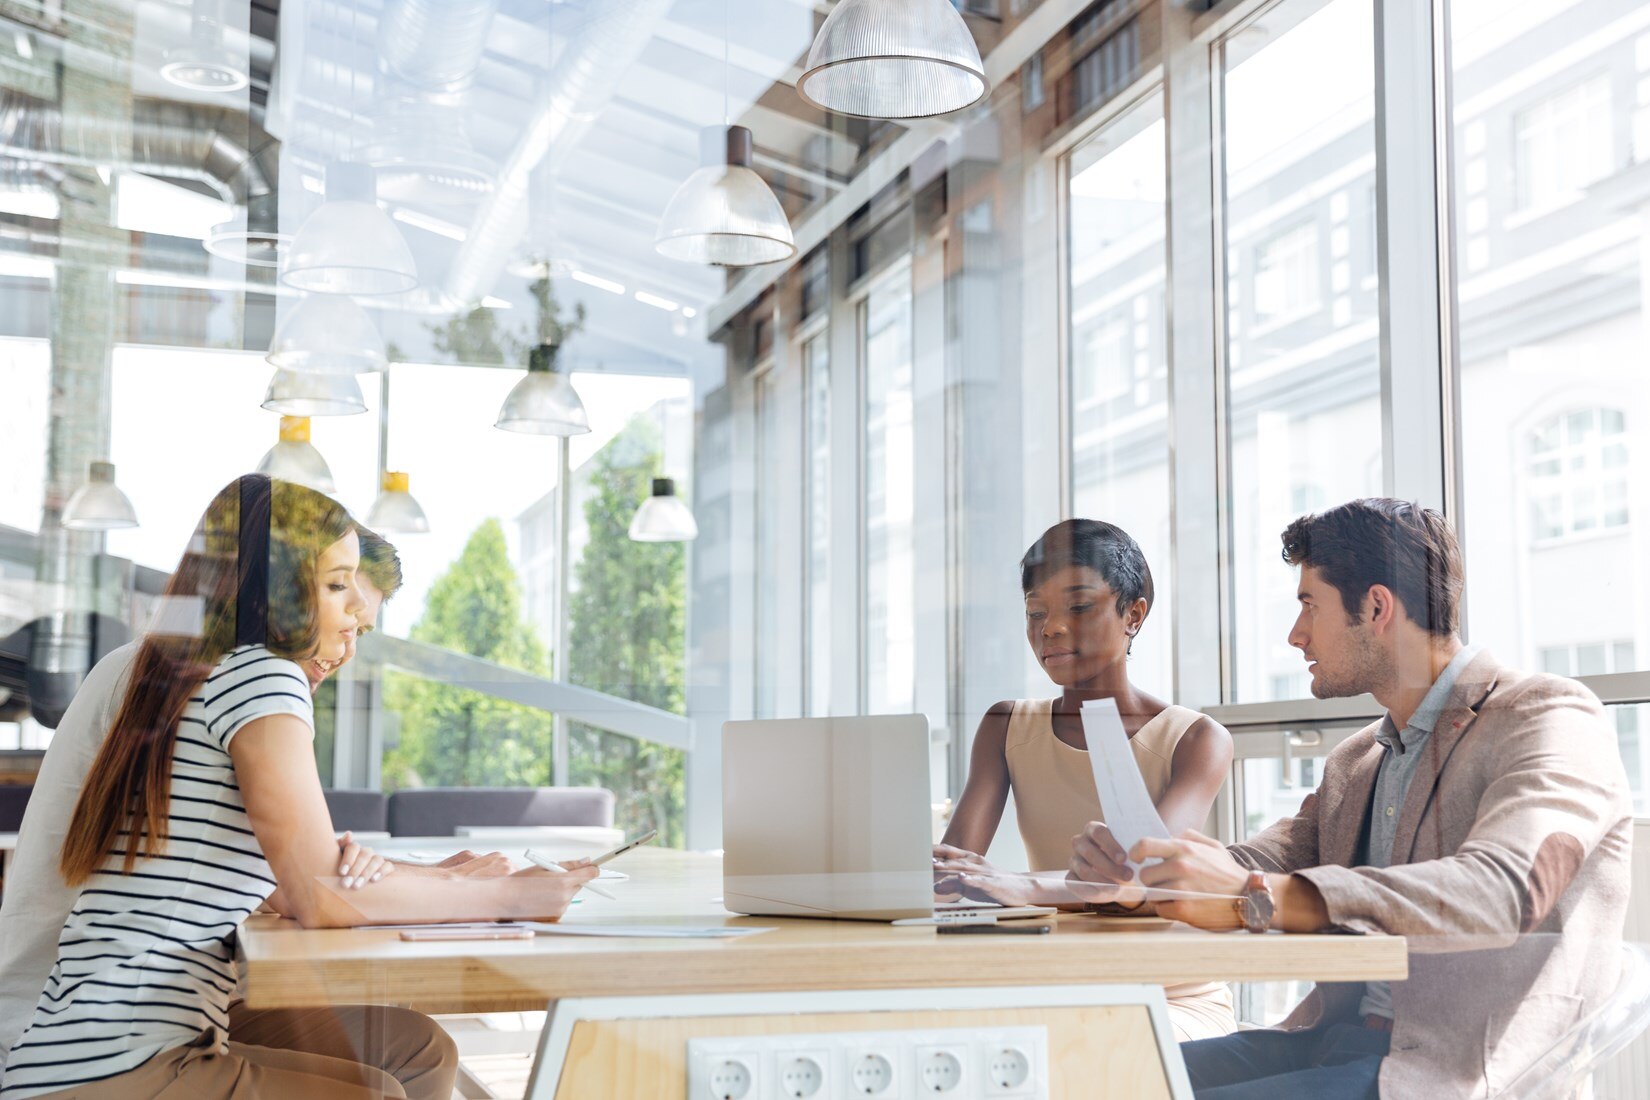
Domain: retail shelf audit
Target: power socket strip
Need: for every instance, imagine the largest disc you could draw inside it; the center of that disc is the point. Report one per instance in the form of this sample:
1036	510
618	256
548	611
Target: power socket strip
948	1063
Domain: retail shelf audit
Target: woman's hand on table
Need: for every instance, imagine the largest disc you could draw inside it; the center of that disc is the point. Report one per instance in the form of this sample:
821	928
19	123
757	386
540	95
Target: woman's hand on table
360	865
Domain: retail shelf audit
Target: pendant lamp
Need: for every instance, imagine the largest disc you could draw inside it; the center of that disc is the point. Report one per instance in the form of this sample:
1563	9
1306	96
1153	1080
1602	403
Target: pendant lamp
99	505
349	245
206	63
893	59
724	213
327	334
663	517
302	393
545	402
295	459
395	509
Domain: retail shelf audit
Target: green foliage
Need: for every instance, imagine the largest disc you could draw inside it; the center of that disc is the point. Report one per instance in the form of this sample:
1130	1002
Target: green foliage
628	635
451	736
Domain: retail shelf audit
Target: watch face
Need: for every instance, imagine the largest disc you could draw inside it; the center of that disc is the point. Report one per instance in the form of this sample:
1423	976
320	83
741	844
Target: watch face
1257	911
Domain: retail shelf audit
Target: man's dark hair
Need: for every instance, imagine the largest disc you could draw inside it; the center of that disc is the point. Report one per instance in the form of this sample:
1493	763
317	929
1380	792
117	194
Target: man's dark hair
1103	547
1409	549
380	564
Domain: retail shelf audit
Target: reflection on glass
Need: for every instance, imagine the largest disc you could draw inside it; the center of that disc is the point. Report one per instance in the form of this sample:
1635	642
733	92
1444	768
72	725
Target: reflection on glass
1303	369
817	366
1551	228
890	469
1119	356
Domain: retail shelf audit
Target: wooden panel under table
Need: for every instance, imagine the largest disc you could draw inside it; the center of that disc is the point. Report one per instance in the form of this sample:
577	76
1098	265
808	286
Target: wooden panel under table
288	967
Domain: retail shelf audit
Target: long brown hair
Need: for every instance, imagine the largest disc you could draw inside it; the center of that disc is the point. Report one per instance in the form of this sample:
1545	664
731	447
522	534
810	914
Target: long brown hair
247	577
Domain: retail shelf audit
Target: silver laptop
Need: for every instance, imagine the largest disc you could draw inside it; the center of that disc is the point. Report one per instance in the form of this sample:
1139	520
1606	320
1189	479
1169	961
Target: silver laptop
827	817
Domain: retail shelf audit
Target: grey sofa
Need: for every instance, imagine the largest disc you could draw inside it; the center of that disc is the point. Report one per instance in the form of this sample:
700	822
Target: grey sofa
358	811
437	811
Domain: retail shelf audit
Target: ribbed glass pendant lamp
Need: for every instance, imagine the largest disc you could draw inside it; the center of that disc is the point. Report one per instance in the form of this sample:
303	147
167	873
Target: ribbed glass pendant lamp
545	402
663	517
99	505
301	393
724	213
295	459
349	245
395	509
327	334
893	59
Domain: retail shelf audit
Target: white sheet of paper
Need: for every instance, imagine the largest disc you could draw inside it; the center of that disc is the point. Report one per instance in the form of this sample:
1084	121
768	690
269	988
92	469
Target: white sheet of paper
1128	807
646	931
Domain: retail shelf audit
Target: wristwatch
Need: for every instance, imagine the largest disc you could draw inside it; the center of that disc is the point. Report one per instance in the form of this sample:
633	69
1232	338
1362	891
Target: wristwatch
1256	906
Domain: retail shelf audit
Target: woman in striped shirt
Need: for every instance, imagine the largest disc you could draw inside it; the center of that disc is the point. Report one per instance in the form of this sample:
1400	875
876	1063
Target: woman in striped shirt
203	800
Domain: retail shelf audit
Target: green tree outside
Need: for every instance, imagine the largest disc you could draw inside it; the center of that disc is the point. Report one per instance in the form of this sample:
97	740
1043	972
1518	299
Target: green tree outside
454	737
627	626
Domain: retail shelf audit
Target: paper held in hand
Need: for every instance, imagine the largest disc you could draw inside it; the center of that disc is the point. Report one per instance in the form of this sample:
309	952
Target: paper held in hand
1130	813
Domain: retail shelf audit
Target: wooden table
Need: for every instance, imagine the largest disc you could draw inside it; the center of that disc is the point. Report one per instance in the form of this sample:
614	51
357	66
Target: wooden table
1125	962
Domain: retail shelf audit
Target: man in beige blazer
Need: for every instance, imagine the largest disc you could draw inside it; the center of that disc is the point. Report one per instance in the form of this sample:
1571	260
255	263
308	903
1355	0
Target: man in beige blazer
1486	818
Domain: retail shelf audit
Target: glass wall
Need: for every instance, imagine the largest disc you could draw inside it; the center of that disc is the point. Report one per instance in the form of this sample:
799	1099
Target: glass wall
1119	367
890	469
1303	375
1551	228
816	363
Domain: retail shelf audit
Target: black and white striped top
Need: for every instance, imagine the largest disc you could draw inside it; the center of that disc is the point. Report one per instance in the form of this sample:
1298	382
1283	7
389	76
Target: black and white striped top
146	961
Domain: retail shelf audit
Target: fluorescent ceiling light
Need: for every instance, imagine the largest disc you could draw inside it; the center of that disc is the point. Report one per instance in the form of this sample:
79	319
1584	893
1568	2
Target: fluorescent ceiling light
689	312
433	225
598	282
493	301
30	204
145	205
25	267
655	301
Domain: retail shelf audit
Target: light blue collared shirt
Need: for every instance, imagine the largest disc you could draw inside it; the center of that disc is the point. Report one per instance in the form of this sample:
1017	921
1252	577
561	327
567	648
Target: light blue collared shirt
1399	762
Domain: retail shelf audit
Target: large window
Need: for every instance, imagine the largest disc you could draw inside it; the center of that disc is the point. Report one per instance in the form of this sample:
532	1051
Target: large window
816	364
1552	338
1119	362
1562	143
890	469
771	434
1578	474
1302	356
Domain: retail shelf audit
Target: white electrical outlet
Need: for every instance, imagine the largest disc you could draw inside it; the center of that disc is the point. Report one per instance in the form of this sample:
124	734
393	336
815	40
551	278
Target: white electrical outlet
803	1076
1007	1071
940	1071
871	1072
945	1063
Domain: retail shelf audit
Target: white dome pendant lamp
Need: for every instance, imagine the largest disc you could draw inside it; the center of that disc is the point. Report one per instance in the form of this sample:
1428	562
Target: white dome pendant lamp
349	245
663	517
294	458
327	334
303	393
395	509
724	213
893	59
544	402
99	505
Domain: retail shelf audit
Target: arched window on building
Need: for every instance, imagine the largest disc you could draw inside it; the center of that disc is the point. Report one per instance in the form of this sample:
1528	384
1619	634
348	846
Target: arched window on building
1578	474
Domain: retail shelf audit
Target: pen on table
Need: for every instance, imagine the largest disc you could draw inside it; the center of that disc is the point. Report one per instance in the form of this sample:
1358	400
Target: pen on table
994	929
551	865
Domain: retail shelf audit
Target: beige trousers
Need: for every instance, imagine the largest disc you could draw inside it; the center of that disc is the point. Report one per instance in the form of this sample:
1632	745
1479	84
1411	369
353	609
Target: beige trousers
350	1052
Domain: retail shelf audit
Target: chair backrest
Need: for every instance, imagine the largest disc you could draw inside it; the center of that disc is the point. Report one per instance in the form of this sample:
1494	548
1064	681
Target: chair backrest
358	811
1561	1071
13	798
437	811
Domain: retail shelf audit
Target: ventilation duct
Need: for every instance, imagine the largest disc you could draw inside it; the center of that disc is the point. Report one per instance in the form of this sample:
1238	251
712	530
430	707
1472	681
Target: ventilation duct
578	88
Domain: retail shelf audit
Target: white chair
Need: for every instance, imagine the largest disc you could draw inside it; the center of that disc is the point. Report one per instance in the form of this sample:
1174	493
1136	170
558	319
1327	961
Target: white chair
1565	1068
